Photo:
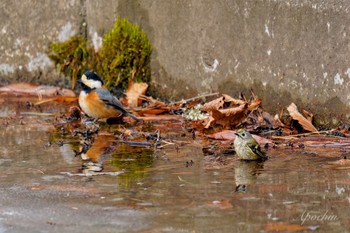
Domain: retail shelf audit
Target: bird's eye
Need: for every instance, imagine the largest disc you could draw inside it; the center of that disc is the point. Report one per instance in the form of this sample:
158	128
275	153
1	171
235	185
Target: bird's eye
243	134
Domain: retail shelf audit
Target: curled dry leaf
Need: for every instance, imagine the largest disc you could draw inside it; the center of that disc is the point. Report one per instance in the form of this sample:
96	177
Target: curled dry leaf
296	115
232	101
230	135
154	107
213	105
227	111
135	90
309	116
254	104
227	117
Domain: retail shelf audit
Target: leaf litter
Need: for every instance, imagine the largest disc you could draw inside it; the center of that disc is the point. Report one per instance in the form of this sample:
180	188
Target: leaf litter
212	120
213	117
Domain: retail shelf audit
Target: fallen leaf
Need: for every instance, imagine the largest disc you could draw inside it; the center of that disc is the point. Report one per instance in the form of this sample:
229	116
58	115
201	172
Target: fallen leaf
254	104
227	117
59	99
309	116
230	135
280	226
277	121
233	101
135	90
223	135
213	105
222	204
34	89
228	112
154	107
296	115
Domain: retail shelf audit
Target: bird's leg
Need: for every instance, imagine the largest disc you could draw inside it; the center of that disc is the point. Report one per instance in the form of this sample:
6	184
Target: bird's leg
89	120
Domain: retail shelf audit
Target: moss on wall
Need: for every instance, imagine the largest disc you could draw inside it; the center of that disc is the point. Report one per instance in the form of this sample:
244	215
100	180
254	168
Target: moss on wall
72	57
125	53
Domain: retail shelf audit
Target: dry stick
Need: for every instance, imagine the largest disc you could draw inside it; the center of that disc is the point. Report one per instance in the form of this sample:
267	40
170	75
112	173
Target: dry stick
142	144
166	144
197	97
299	135
143	97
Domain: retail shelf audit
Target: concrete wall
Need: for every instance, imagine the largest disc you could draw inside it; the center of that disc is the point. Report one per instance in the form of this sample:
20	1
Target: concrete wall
285	50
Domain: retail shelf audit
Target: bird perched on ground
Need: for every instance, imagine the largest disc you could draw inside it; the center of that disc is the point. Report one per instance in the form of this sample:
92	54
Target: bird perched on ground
246	147
96	101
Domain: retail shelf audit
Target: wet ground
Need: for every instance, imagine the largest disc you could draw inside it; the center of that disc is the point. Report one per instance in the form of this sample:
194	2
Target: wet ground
46	187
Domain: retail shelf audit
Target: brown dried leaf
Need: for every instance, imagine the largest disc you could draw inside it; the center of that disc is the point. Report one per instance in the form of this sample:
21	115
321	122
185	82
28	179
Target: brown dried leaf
296	115
230	135
233	116
233	101
280	226
34	89
213	105
277	121
135	90
254	104
227	117
214	116
231	112
309	116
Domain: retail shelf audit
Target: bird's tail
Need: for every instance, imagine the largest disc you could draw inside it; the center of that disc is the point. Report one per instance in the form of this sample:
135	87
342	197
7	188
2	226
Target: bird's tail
133	117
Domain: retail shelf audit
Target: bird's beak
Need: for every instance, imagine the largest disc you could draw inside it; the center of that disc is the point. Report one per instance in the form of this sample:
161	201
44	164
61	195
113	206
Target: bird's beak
237	134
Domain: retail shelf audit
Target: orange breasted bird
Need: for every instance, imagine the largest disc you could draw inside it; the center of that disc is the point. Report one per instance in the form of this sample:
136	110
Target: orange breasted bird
96	101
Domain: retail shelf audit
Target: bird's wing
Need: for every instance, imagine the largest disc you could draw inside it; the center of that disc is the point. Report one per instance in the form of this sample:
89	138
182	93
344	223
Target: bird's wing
109	99
257	150
113	101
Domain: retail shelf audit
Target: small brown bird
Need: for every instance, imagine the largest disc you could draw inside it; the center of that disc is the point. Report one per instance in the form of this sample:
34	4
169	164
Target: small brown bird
96	101
246	147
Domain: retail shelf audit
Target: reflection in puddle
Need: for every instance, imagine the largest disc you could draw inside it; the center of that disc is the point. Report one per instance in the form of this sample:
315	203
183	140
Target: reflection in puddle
169	190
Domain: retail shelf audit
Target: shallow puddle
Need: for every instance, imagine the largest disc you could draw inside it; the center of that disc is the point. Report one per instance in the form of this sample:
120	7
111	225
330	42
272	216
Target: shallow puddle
46	187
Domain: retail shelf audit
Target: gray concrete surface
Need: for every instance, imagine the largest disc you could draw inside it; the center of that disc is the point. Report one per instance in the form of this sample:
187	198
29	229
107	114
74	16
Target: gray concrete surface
285	50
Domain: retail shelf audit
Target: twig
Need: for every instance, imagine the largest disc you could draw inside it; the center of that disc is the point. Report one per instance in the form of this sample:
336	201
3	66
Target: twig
169	143
166	144
300	135
142	144
197	97
37	113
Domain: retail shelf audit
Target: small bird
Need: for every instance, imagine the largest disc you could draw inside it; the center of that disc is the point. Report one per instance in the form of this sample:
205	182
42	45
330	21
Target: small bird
246	147
96	101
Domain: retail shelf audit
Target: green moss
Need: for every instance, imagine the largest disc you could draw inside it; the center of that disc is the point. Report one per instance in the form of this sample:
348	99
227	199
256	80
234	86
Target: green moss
72	57
125	53
125	50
